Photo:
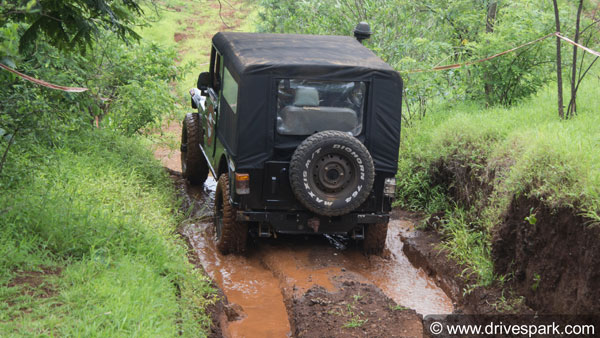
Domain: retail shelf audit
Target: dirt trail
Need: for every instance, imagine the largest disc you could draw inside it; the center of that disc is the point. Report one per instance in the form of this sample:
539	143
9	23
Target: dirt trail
274	284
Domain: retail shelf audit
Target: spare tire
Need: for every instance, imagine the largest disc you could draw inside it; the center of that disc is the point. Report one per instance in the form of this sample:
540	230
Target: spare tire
331	173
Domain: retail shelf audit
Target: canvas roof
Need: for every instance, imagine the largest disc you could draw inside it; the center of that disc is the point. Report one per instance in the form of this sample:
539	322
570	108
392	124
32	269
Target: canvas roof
256	51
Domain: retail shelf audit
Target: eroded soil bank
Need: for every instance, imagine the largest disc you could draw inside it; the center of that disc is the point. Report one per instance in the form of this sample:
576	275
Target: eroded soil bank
549	256
555	262
304	286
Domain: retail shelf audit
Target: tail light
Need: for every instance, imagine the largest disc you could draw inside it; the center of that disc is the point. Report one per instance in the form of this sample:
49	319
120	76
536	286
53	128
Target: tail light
242	184
389	187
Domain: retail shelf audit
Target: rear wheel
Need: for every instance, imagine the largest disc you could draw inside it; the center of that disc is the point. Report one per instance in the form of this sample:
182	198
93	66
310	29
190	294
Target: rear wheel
230	235
193	164
375	235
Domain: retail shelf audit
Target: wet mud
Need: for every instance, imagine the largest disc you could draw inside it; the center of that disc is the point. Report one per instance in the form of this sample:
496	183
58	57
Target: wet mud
269	290
355	310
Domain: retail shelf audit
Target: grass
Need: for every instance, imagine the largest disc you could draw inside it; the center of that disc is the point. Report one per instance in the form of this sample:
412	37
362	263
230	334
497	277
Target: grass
194	23
529	149
88	245
398	308
355	322
101	211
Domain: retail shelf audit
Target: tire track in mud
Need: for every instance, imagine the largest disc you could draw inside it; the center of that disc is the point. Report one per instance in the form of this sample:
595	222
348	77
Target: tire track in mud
273	284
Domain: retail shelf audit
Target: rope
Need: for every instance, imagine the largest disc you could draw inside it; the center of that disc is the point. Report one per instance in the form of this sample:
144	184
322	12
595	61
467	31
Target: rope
434	69
44	83
591	51
468	63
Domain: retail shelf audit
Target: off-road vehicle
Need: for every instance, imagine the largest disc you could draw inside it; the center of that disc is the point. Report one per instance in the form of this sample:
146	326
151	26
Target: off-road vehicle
301	133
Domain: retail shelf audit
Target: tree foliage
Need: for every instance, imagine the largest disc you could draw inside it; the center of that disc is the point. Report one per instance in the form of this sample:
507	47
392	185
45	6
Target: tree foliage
413	35
69	23
128	81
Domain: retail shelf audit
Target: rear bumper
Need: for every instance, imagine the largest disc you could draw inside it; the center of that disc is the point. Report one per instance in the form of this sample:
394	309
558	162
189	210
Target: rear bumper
298	222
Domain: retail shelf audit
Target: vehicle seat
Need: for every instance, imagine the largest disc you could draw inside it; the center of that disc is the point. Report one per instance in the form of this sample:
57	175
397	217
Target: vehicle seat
306	117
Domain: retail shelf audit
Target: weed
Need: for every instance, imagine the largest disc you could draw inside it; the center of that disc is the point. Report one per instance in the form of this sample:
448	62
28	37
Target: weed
355	322
508	304
536	282
355	318
398	308
531	219
100	208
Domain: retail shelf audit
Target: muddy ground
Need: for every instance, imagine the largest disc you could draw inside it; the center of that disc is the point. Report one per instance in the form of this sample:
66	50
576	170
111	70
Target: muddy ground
423	250
303	286
307	286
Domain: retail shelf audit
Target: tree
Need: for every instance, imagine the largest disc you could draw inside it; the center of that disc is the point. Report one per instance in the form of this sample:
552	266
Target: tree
577	75
572	102
67	23
561	111
492	10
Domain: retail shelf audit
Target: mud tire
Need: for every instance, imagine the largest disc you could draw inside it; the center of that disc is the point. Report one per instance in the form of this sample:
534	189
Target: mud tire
375	235
230	235
331	173
193	164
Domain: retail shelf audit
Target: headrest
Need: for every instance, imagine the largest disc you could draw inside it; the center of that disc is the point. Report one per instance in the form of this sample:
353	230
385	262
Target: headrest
306	97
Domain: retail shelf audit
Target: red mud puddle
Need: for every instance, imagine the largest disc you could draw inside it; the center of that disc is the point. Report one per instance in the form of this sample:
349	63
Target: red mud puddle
277	271
301	263
245	282
401	281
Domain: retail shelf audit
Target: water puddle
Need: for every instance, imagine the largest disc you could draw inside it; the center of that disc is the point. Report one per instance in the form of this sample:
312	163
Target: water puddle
401	281
276	271
246	282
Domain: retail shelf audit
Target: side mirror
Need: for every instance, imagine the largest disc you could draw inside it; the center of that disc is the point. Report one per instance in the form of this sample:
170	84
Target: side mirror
204	81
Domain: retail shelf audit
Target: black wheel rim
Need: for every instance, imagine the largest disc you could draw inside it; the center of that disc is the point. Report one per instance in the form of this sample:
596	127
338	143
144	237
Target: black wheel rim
333	174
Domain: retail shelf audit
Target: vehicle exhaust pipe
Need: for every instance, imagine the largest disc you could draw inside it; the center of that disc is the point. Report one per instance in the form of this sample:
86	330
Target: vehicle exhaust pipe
362	31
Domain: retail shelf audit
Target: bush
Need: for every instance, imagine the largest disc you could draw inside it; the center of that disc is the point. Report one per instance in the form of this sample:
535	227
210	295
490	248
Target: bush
128	88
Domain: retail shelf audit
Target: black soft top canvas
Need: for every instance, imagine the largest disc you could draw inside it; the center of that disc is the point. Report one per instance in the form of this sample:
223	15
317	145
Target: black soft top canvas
252	51
257	61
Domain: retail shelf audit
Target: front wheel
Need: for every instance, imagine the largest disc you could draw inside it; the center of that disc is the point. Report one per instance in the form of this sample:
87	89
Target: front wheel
230	235
375	235
193	164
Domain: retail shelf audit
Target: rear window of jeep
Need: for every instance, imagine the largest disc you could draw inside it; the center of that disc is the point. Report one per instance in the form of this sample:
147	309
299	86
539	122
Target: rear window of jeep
305	107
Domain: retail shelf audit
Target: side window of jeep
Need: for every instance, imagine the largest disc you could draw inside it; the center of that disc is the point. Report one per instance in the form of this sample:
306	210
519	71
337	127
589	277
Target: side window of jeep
230	89
217	73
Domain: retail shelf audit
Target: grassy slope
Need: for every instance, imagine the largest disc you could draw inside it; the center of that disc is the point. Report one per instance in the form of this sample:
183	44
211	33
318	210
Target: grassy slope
93	220
195	22
97	217
531	151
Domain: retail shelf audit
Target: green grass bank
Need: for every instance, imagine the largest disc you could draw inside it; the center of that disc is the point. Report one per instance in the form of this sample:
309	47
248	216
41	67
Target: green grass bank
88	244
503	177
